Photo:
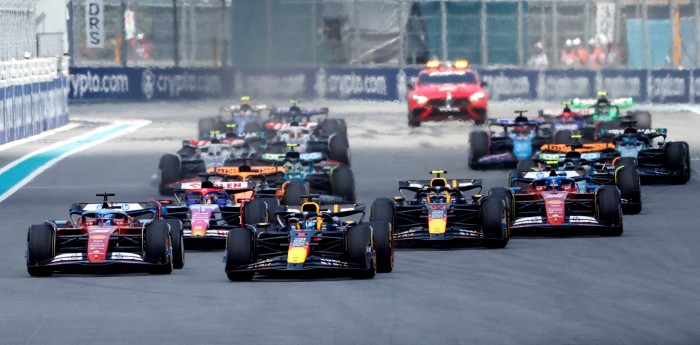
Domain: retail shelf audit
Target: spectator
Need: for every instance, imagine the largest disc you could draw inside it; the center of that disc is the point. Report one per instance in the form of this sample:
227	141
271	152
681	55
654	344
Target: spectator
538	58
613	56
581	52
568	56
596	57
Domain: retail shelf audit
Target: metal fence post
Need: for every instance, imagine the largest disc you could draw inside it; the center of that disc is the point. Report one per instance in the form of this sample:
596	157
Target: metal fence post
645	33
555	28
401	35
484	37
268	46
314	44
122	34
521	54
176	34
443	29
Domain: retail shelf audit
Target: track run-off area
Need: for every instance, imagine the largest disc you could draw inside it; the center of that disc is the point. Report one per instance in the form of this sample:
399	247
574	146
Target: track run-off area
640	288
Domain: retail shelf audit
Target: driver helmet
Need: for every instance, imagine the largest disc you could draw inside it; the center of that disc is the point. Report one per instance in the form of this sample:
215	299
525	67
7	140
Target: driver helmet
310	223
521	130
211	199
108	219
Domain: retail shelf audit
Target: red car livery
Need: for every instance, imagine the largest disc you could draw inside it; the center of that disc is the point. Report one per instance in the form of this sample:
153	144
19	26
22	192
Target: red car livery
445	91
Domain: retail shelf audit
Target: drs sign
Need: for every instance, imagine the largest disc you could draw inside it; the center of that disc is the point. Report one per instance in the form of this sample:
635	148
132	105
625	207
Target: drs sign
94	23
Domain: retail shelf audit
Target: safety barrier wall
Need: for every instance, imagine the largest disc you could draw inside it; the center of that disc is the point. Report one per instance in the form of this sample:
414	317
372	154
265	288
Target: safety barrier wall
33	98
385	84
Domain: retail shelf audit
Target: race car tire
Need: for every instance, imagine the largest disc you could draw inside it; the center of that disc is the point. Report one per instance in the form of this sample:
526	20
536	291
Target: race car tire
494	222
359	239
677	159
334	126
525	166
293	192
383	209
255	212
338	148
157	237
343	183
412	121
478	147
252	127
608	209
40	247
563	136
506	195
276	147
177	241
206	125
239	252
627	180
169	167
643	119
384	246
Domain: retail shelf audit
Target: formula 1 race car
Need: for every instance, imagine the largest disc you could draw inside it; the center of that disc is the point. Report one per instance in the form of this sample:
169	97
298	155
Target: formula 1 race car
334	147
557	203
108	233
281	118
446	90
518	139
440	211
244	118
209	209
310	239
334	181
598	164
666	161
197	156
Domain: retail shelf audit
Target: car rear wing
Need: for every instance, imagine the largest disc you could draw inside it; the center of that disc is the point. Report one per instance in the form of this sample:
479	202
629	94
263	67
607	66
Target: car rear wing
309	111
237	107
237	186
625	102
304	156
224	141
661	131
512	122
459	184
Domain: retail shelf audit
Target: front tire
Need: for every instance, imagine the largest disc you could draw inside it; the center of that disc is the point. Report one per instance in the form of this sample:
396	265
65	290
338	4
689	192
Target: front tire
293	192
360	244
239	252
157	237
478	147
343	183
169	167
677	158
40	248
494	222
627	180
608	210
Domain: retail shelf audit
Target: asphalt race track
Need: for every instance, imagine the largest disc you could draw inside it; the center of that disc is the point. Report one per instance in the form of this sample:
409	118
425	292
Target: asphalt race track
641	288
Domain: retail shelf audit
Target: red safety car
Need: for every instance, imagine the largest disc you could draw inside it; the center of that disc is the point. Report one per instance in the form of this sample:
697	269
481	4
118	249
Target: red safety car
445	91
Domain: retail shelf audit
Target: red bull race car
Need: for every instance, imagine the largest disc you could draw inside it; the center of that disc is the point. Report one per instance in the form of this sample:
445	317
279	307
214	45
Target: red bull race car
310	239
104	234
440	211
445	91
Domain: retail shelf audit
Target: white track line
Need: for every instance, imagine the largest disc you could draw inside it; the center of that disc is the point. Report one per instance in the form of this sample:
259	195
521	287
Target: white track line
41	135
134	126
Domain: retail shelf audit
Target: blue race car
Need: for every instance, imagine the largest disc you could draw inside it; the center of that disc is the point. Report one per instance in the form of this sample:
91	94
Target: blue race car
518	139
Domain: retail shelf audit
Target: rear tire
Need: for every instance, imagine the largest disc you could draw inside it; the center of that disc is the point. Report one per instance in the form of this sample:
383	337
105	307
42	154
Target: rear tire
338	147
359	240
206	125
563	137
494	222
255	212
608	210
506	195
40	247
178	242
293	192
169	167
384	246
157	237
627	180
677	160
239	252
383	209
478	147
343	183
334	126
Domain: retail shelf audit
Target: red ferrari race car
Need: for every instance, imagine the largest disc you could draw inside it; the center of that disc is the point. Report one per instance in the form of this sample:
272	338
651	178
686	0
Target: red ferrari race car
445	91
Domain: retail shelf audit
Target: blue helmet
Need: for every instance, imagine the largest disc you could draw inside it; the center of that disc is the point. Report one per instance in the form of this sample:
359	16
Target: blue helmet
108	219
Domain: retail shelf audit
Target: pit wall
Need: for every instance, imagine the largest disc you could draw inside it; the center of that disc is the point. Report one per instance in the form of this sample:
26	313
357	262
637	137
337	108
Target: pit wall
33	97
384	84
